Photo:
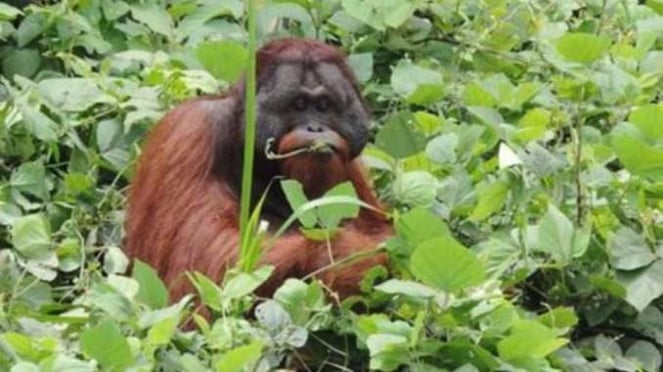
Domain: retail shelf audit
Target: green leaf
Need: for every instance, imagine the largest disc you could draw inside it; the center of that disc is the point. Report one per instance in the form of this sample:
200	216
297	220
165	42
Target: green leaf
73	94
67	363
637	155
40	125
114	9
648	120
244	284
417	84
155	17
105	343
24	62
152	292
31	236
331	215
629	250
557	236
533	124
529	340
398	137
462	269
648	355
362	65
581	47
30	178
387	351
31	27
225	60
406	288
643	285
419	225
442	149
240	358
491	198
294	193
208	291
415	188
161	332
380	14
8	12
108	133
301	300
559	317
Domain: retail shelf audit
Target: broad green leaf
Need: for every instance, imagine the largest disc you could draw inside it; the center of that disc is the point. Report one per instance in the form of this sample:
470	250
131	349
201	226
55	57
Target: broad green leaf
8	12
428	123
240	358
558	237
155	17
419	225
629	250
108	133
31	236
114	9
294	193
461	270
491	198
208	291
115	261
399	138
499	254
559	317
31	27
529	340
24	62
30	178
637	155
70	255
244	284
387	351
417	84
486	115
406	288
643	285
124	285
70	364
161	332
40	125
476	95
152	292
648	355
533	124
648	120
225	60
415	188
581	47
442	149
362	65
331	215
73	94
105	343
380	14
301	300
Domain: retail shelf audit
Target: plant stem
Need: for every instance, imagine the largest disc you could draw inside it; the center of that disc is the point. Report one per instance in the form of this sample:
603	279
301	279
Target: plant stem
250	126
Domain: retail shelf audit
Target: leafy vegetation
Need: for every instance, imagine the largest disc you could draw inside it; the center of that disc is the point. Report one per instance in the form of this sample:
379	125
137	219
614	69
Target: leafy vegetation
519	143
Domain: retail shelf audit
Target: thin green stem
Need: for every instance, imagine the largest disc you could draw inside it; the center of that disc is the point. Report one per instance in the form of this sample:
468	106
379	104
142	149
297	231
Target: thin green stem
250	126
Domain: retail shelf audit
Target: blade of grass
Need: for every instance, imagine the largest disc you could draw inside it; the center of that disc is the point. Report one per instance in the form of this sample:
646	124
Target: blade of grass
249	134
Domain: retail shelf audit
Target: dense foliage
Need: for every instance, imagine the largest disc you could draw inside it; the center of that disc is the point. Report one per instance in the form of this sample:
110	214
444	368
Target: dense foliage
519	144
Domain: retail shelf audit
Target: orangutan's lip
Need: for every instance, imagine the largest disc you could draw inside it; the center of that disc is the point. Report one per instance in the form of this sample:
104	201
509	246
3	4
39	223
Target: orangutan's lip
317	147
